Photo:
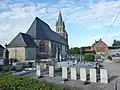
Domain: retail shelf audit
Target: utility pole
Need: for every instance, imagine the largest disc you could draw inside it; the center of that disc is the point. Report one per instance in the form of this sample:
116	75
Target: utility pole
80	54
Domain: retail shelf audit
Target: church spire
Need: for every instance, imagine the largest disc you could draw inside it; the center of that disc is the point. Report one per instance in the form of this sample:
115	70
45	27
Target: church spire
60	20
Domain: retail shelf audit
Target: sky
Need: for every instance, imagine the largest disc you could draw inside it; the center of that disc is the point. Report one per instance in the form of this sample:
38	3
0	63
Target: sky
85	20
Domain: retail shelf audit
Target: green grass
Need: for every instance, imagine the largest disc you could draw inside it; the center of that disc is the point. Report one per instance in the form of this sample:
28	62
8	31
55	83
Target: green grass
9	82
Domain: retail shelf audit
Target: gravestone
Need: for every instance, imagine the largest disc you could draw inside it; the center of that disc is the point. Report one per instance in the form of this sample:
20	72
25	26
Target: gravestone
45	66
93	75
83	74
64	72
103	76
73	74
75	61
6	56
51	71
38	70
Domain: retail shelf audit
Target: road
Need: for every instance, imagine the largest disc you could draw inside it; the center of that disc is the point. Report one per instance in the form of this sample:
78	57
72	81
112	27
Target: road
113	70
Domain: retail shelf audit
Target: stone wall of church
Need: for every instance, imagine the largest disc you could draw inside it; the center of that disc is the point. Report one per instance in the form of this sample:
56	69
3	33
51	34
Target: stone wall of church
30	53
43	50
1	52
64	50
17	53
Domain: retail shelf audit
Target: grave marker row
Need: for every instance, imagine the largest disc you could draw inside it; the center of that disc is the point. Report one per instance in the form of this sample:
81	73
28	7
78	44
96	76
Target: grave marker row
83	74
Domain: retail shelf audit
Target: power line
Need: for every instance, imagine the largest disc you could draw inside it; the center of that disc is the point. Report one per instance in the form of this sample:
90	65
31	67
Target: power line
111	25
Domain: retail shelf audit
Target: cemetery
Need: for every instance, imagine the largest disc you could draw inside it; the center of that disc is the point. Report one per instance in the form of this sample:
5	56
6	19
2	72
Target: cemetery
73	73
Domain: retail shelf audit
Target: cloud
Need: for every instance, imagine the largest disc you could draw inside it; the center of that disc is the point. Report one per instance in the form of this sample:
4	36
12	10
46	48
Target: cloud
17	17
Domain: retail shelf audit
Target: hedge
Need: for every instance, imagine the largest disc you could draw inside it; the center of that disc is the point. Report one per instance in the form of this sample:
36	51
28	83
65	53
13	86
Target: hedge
9	82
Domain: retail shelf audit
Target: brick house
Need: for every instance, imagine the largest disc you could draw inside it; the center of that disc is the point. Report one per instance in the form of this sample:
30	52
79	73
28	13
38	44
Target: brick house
100	47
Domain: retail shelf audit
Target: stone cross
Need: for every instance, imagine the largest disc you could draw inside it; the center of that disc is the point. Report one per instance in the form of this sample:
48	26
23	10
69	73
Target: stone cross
6	56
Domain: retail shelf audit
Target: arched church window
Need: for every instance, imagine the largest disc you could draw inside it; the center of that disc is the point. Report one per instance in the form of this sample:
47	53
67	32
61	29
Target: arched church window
41	46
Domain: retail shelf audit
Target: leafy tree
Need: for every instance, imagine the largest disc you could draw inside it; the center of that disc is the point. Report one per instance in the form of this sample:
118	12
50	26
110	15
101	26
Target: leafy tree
89	57
75	50
116	43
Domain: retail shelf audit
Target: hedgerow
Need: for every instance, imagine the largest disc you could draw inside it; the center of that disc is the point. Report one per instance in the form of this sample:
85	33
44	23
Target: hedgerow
10	82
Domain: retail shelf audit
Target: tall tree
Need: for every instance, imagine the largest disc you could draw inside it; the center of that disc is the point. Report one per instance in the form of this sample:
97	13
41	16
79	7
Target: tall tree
116	43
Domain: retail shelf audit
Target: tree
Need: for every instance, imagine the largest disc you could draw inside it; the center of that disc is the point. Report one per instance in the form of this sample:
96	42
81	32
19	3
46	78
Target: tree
75	50
89	57
116	43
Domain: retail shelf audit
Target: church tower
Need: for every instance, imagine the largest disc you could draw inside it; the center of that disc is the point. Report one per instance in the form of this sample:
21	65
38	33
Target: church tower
60	27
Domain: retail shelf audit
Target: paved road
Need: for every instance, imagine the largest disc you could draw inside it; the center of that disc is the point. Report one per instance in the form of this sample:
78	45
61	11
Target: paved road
113	68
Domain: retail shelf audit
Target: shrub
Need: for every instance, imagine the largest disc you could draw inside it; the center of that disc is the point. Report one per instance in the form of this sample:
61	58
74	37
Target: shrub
13	68
9	82
89	57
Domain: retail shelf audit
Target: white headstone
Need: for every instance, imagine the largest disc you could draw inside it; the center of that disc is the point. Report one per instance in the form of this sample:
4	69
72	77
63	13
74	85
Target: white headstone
103	76
51	71
73	73
64	72
38	71
83	74
93	75
45	65
75	60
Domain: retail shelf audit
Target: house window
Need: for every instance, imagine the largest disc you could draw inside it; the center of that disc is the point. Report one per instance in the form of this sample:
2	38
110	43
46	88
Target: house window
41	46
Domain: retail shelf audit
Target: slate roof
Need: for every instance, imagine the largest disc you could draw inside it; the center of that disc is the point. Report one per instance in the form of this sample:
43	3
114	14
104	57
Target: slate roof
41	30
99	41
22	40
1	47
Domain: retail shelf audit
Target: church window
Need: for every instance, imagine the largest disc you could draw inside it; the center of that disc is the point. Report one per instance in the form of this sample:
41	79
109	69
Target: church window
41	46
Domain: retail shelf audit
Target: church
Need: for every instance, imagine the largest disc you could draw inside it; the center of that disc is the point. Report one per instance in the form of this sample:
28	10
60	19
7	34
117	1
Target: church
40	42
